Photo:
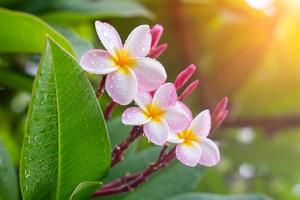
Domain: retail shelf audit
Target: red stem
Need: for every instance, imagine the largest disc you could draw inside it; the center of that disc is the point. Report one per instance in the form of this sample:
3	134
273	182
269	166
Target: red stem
101	86
118	151
109	110
129	184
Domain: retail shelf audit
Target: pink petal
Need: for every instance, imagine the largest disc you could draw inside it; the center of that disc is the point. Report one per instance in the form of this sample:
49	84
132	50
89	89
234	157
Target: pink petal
173	138
96	61
121	86
157	132
139	41
165	95
134	116
210	153
201	124
150	73
185	109
176	119
142	99
108	36
188	154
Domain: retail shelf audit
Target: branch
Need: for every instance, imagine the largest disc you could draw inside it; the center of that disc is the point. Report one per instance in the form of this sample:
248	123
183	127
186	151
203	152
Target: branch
131	182
101	86
109	109
269	123
118	151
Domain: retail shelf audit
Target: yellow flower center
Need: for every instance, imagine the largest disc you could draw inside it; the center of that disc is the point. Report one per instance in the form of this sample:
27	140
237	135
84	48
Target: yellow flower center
188	136
123	59
155	112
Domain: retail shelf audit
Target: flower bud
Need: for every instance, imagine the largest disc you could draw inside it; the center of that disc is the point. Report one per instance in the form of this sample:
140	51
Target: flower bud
156	32
220	113
188	90
184	76
157	51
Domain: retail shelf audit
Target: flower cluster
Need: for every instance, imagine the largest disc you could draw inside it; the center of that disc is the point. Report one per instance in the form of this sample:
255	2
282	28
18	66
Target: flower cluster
133	74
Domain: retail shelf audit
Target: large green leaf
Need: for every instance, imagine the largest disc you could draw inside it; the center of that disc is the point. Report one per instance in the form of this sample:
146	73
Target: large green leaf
79	10
66	139
170	181
199	196
8	177
22	32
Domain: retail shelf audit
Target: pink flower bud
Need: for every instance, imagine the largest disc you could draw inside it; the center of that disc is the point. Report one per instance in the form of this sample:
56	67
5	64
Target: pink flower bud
220	113
156	52
188	90
156	32
184	76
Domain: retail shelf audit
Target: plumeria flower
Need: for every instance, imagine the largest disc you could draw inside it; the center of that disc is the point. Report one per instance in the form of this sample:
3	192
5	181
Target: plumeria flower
127	67
193	147
159	114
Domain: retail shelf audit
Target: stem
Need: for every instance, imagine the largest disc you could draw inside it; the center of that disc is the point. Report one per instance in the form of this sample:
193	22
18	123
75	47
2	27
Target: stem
139	178
101	86
109	110
118	151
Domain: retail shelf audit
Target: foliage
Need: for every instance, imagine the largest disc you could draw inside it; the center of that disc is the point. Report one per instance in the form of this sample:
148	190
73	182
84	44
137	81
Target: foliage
241	51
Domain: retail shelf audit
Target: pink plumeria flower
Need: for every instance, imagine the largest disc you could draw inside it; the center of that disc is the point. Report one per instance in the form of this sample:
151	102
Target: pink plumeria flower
193	147
159	114
127	66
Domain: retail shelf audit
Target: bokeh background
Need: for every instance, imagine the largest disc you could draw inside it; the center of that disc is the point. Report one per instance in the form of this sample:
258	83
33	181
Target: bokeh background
248	50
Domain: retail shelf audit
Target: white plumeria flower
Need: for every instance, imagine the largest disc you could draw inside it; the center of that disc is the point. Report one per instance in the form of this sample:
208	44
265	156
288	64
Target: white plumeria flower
159	114
127	66
193	147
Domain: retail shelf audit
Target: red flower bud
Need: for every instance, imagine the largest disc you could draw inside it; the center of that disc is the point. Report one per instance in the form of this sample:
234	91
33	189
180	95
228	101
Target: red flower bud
184	76
220	113
156	32
188	90
156	52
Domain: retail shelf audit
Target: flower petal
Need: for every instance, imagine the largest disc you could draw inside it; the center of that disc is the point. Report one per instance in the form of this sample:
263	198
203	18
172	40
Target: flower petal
150	73
188	154
176	119
139	41
201	124
173	138
134	116
165	95
142	99
157	132
210	153
185	109
108	36
121	86
96	61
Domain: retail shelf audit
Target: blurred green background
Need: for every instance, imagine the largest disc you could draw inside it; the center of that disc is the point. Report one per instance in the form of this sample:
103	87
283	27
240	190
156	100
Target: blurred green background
248	50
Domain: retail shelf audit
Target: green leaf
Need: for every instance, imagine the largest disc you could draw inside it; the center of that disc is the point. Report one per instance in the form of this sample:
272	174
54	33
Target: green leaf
169	181
8	177
22	32
201	196
80	10
66	139
84	189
